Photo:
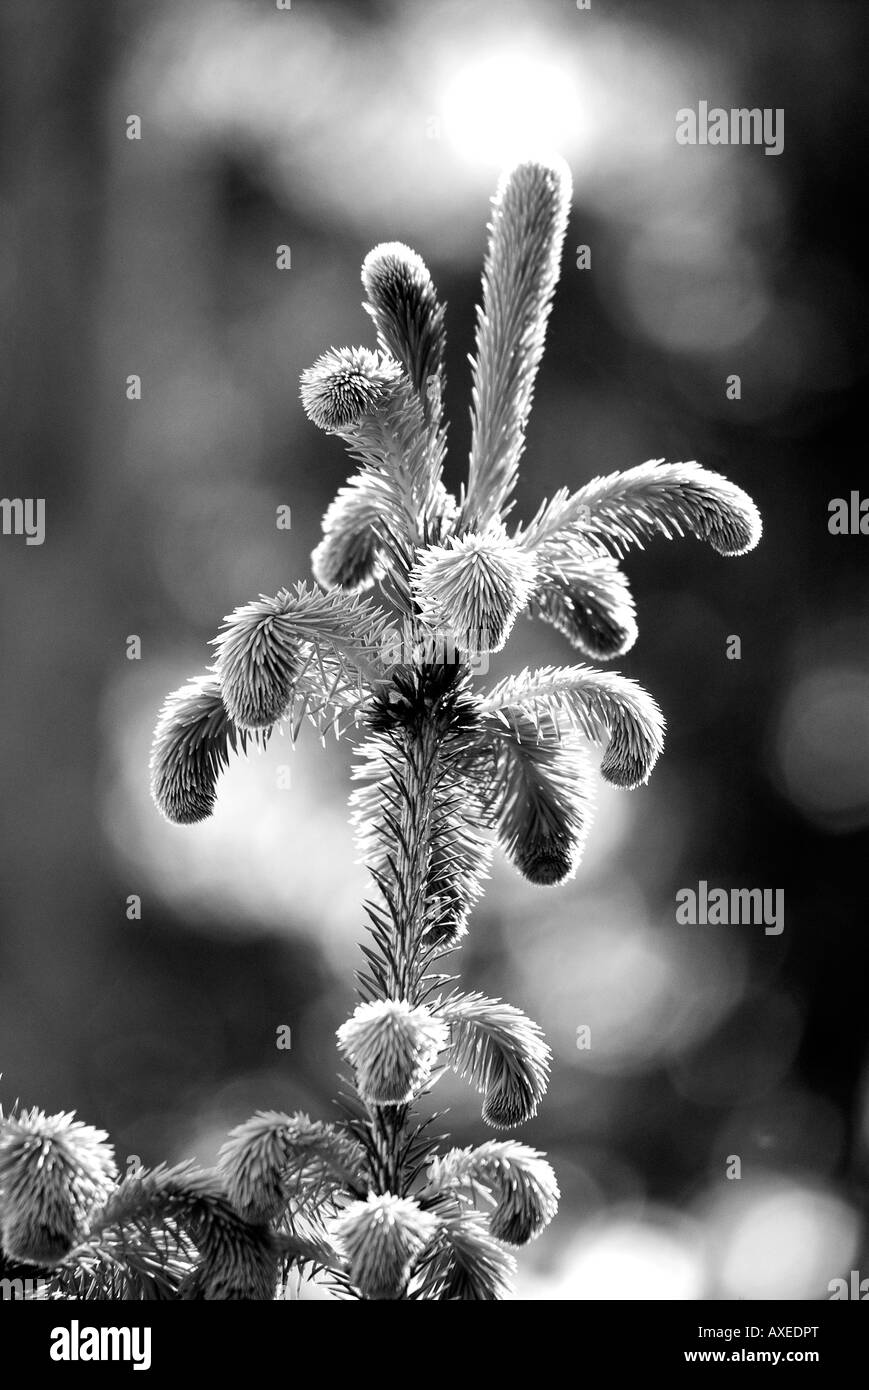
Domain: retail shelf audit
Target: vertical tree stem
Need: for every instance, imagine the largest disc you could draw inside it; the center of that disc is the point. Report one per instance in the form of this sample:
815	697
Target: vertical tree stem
422	753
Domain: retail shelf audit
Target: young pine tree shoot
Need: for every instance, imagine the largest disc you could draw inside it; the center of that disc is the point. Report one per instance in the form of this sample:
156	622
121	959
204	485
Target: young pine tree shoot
411	585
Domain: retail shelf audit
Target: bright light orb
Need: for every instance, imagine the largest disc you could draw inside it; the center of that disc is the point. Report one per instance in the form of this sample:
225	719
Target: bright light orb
509	106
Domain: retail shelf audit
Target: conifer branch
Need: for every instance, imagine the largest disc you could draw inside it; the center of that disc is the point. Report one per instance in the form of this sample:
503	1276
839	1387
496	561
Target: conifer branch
588	599
519	278
540	789
511	1178
192	745
467	1263
371	1203
275	1159
501	1052
235	1259
656	498
601	706
409	319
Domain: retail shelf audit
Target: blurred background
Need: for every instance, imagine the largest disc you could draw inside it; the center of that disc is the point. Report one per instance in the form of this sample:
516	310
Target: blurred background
324	129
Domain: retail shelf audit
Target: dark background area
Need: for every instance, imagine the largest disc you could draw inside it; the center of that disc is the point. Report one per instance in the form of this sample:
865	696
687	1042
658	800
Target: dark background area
328	128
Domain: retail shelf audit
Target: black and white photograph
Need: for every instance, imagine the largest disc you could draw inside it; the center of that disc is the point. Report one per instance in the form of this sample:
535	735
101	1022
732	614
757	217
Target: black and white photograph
434	612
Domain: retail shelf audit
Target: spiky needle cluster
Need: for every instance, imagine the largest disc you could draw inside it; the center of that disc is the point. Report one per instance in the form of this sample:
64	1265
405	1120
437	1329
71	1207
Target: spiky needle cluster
445	770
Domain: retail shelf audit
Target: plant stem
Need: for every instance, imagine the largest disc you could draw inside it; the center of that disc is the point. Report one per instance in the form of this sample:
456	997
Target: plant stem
421	764
422	758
